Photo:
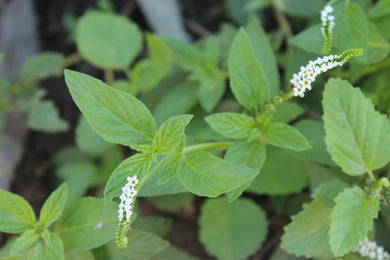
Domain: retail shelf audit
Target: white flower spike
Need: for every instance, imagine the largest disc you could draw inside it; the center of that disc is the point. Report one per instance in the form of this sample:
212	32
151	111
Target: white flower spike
125	209
302	80
326	29
371	250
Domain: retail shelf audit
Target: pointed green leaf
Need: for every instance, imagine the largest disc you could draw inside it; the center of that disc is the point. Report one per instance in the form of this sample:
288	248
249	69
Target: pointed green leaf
169	134
207	175
117	116
148	72
44	117
327	192
378	47
251	155
107	40
42	65
141	245
169	168
307	234
351	30
137	164
52	209
212	88
281	174
88	140
26	240
231	125
179	100
352	218
315	133
185	54
381	8
357	137
247	79
79	176
48	250
232	231
310	40
88	223
264	53
302	8
283	135
286	112
15	213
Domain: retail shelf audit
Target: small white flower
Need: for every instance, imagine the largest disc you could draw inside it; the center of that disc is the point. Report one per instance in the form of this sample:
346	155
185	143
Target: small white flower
328	8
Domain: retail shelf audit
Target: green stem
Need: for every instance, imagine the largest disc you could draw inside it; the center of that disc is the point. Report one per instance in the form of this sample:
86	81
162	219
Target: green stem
207	146
371	175
14	256
192	148
71	59
109	76
147	176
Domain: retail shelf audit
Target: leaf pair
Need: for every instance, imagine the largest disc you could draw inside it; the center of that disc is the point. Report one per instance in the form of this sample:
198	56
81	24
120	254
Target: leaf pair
17	216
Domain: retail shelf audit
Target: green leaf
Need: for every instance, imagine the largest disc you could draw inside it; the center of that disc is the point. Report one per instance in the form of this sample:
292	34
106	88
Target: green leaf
15	213
378	47
88	140
231	125
117	116
302	8
79	255
26	240
169	168
141	245
310	40
357	137
236	10
147	73
212	88
185	54
108	41
264	53
247	79
381	8
44	117
87	224
232	231
315	133
79	177
52	209
156	225
48	250
281	174
307	234
351	30
153	186
286	112
179	100
42	65
174	253
283	135
172	203
326	192
137	164
352	218
251	155
169	134
207	175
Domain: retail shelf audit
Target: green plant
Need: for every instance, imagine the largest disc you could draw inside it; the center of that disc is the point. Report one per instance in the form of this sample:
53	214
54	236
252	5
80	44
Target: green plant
259	141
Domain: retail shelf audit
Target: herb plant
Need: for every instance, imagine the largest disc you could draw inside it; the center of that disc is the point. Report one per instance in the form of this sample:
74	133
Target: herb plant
257	139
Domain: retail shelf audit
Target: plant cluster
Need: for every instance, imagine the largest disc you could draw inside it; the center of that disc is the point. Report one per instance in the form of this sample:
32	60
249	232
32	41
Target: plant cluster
190	134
